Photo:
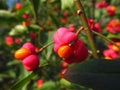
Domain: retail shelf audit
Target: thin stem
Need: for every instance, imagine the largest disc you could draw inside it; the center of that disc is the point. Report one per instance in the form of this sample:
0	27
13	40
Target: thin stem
79	30
45	46
105	38
77	33
87	30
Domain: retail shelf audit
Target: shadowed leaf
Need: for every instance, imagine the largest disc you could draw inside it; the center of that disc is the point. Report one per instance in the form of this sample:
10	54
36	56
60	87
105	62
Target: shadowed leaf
97	74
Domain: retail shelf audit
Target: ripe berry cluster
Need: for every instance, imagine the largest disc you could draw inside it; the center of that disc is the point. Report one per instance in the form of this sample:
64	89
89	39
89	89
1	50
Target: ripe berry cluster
27	54
68	46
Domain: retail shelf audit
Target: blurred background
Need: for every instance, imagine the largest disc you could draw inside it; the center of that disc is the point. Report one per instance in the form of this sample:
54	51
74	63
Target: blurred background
35	21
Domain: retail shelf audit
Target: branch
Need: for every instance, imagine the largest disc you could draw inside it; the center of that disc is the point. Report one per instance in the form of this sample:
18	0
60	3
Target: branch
83	18
45	46
105	38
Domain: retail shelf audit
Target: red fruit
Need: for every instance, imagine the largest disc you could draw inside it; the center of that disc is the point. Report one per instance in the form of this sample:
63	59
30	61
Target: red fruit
64	21
113	26
9	40
62	72
17	41
18	6
64	64
65	14
33	35
63	36
39	83
26	16
31	62
91	23
97	28
26	23
102	4
22	53
77	52
94	26
72	29
80	52
111	10
29	46
111	54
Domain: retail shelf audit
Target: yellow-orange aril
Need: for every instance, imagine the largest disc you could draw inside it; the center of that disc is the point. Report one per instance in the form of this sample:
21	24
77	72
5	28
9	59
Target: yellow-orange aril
65	51
22	53
115	48
108	58
113	8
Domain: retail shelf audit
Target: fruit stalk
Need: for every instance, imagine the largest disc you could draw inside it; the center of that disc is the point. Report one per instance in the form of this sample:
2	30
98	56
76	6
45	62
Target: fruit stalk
107	39
82	16
45	46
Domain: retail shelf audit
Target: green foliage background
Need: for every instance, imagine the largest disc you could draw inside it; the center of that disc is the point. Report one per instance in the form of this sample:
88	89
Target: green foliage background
46	17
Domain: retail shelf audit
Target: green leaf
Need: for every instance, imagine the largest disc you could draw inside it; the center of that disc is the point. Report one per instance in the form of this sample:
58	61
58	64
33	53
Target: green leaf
41	1
20	84
97	74
34	28
49	85
115	36
3	5
18	30
115	2
50	48
35	5
65	82
67	4
54	19
23	82
5	13
6	17
43	37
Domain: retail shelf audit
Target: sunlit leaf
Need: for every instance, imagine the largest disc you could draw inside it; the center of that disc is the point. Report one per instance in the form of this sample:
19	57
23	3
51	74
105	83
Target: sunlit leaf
115	36
18	30
20	84
6	17
50	85
67	3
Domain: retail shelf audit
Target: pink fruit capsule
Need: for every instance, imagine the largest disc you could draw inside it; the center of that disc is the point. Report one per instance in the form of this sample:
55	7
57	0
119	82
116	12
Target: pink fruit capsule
29	46
31	62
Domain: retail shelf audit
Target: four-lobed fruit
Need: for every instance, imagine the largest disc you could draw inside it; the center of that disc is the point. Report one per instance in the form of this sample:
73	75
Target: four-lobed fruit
111	10
65	51
63	36
76	52
27	54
